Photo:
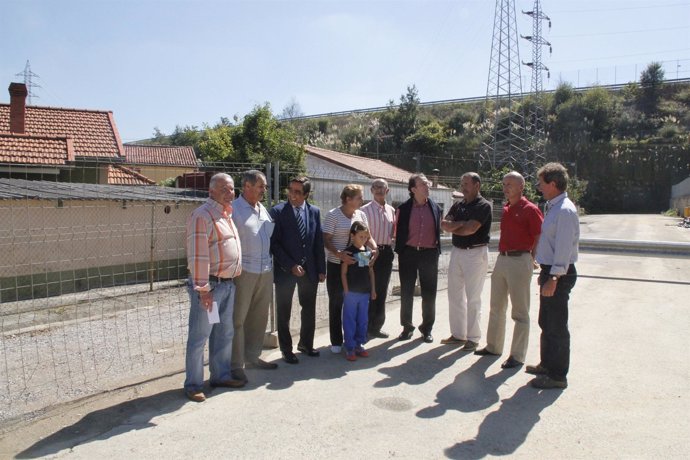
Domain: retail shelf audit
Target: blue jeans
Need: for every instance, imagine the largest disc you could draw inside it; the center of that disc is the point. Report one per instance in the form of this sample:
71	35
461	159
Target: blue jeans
219	336
355	319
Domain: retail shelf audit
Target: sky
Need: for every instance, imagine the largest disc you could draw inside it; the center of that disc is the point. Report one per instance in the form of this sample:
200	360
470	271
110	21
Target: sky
167	63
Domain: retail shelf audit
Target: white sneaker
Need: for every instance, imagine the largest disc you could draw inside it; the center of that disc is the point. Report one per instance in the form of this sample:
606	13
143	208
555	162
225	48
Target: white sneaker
335	349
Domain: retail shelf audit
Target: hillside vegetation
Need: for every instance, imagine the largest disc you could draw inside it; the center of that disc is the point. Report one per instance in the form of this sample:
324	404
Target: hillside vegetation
625	148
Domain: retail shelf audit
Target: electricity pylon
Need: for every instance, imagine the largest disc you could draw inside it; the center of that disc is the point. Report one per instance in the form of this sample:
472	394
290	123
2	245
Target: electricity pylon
536	133
505	145
29	76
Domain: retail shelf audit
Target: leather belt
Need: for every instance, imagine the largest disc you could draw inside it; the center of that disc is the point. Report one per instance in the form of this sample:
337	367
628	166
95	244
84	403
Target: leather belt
218	279
419	248
472	247
513	253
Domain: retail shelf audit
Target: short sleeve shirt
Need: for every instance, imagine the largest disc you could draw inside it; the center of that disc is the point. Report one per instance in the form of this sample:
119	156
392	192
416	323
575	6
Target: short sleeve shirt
480	210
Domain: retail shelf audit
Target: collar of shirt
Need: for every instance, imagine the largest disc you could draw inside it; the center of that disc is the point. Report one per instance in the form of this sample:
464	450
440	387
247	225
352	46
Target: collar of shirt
557	200
221	208
381	207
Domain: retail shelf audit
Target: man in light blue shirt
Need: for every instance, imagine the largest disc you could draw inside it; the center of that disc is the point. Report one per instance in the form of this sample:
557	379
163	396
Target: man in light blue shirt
556	254
254	287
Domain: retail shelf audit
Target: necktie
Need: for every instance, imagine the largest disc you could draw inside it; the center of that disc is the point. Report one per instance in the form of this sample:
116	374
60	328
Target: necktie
300	224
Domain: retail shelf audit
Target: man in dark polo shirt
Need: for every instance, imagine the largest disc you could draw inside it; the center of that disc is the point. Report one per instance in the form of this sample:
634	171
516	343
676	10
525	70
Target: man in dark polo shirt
512	274
418	244
469	221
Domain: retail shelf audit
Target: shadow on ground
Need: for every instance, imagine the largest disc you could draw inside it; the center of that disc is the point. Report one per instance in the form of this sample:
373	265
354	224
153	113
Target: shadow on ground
504	430
330	366
135	414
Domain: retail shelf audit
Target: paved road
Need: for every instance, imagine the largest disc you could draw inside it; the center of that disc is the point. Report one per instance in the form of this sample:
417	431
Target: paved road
628	396
635	227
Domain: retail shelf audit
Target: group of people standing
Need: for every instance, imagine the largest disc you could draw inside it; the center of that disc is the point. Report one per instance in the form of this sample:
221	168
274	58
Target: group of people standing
237	249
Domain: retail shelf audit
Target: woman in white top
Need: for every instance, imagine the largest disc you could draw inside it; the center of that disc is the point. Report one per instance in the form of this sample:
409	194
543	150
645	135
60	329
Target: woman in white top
336	230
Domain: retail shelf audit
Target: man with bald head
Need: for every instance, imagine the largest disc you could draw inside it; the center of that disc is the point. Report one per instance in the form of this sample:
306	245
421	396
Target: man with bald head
520	228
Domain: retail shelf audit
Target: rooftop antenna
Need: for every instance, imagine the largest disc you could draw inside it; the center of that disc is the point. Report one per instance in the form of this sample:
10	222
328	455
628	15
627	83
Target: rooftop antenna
29	76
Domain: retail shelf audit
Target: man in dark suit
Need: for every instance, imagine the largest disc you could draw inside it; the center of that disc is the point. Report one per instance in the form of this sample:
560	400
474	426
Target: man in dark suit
418	244
299	260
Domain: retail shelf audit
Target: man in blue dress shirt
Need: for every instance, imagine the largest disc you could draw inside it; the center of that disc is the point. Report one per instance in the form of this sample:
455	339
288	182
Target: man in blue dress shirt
556	254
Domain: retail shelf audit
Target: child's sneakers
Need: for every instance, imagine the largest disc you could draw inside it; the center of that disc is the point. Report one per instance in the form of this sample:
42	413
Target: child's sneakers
361	352
350	355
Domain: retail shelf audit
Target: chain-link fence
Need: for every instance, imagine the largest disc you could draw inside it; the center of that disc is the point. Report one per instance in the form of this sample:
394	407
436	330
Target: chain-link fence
92	274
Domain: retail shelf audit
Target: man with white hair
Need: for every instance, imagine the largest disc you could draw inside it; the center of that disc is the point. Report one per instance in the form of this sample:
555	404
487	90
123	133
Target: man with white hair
381	217
214	260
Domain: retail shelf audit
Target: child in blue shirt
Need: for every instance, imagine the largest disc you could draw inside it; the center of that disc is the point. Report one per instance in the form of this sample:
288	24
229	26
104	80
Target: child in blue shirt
358	288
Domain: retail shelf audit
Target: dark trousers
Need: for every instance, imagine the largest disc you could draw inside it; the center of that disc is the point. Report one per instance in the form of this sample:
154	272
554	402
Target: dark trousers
306	293
334	285
382	276
425	264
553	321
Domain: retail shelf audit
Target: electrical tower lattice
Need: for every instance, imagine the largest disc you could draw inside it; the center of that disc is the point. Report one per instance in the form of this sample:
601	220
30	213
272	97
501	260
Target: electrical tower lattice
29	76
506	145
536	133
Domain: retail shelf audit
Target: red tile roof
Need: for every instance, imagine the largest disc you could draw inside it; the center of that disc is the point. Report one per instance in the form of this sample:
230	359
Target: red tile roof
93	132
120	175
164	155
39	150
367	166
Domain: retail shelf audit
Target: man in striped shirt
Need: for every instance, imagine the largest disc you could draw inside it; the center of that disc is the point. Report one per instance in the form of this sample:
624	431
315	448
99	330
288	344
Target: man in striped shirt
381	217
213	258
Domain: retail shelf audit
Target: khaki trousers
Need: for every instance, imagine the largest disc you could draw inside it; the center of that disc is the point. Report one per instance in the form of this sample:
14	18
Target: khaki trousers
253	292
511	277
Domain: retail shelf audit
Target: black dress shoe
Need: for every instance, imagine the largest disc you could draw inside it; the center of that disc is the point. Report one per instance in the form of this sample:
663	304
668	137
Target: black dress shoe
485	352
428	338
228	383
239	374
290	358
379	334
261	364
511	363
308	351
406	334
536	370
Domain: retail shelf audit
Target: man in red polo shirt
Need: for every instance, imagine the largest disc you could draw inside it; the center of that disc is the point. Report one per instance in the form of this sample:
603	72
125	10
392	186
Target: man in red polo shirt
512	275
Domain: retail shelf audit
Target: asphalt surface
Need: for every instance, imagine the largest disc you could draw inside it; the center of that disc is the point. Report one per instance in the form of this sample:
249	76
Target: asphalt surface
628	395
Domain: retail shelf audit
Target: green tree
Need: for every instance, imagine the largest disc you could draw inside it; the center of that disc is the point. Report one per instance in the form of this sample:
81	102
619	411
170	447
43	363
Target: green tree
216	144
583	118
260	138
429	139
399	122
188	135
564	93
651	80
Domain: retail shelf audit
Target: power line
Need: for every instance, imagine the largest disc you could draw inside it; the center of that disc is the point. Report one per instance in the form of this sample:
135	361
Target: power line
595	10
662	29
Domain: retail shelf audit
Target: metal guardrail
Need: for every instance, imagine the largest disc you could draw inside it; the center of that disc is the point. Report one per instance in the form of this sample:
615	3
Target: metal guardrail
661	248
467	100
